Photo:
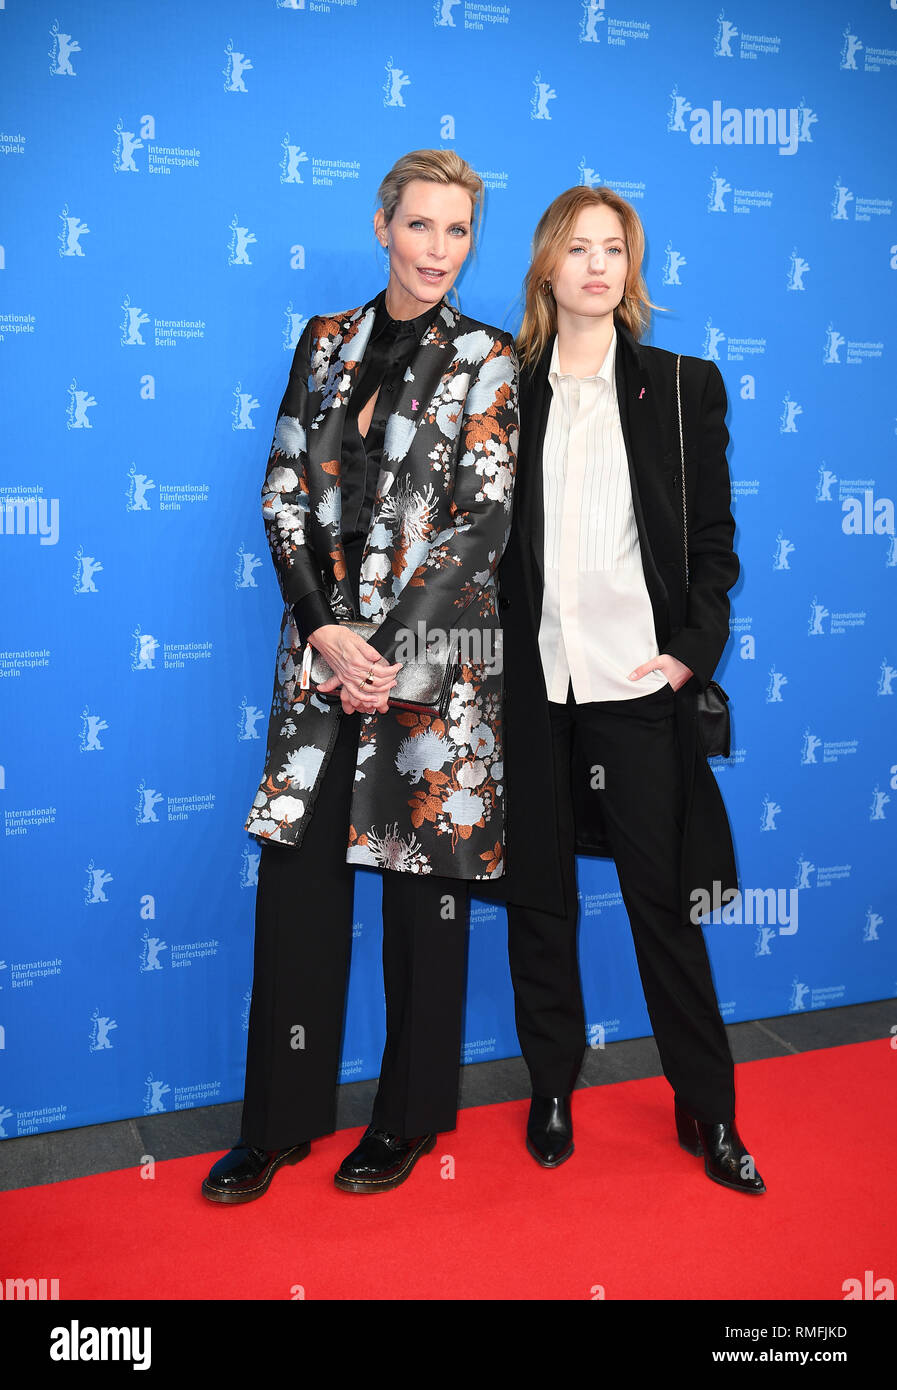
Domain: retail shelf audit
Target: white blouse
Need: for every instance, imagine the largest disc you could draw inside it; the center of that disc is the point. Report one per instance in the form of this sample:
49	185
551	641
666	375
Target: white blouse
597	621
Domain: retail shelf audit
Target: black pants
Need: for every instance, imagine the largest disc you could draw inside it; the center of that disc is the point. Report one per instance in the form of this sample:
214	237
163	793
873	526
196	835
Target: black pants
303	935
632	746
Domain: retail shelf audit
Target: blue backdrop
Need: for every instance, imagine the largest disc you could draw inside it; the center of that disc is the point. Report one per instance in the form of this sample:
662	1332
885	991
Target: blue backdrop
183	186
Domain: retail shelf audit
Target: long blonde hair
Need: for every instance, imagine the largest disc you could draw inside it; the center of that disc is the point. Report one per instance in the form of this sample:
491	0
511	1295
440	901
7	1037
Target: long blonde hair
552	234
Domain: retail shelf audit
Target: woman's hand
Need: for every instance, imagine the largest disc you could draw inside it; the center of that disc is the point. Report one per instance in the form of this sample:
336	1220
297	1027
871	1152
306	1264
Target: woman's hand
352	662
675	671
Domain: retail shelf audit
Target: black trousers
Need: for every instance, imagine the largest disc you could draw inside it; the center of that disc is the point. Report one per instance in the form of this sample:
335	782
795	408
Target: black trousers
303	934
631	747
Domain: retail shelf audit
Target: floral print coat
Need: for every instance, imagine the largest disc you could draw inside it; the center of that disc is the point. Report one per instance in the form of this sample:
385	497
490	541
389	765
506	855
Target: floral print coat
428	793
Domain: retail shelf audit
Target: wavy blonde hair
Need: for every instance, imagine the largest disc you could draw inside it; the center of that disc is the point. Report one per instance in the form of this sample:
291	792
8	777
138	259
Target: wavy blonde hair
551	237
433	166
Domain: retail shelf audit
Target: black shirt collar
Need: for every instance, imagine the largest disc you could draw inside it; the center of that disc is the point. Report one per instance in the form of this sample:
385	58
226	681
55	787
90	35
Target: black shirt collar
401	330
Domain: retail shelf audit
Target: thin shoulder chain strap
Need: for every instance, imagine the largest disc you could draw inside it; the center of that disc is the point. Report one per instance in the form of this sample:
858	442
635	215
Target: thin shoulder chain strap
682	470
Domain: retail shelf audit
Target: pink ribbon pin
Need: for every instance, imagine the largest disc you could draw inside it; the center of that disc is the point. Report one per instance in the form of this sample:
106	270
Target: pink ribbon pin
641	393
414	405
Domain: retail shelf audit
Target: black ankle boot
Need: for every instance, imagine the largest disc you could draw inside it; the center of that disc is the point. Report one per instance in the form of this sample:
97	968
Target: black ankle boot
549	1130
726	1160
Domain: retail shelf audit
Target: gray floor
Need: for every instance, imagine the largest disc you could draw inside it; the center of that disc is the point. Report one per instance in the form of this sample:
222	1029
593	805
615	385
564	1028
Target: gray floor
74	1153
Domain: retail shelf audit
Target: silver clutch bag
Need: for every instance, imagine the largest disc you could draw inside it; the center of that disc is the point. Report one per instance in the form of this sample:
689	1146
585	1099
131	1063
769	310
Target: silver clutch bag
423	685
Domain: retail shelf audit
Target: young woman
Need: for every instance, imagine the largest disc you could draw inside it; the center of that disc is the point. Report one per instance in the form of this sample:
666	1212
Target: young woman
607	644
387	498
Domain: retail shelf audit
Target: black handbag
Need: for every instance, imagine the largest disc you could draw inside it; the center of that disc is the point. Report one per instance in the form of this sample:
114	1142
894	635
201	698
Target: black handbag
423	685
713	720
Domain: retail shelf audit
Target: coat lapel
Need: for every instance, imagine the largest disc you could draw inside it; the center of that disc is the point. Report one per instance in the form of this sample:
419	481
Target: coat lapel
643	437
325	440
428	365
535	405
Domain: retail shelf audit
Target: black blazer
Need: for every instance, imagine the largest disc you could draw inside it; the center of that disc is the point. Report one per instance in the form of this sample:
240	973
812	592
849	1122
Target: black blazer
692	626
694	631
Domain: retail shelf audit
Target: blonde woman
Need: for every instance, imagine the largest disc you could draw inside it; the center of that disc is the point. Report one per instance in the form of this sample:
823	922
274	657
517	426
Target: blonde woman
387	498
607	643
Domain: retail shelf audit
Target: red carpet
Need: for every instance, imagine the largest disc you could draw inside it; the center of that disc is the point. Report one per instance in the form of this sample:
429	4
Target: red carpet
630	1212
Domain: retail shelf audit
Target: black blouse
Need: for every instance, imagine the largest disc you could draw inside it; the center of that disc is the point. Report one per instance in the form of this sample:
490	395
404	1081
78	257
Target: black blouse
392	345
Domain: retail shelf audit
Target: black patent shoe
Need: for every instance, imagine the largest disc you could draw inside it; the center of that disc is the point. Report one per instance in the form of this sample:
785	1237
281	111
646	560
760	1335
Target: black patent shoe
726	1160
381	1161
245	1173
549	1130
